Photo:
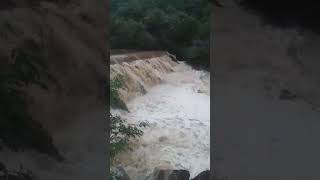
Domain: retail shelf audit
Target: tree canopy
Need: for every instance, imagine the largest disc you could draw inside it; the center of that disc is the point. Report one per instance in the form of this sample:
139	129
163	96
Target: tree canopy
180	27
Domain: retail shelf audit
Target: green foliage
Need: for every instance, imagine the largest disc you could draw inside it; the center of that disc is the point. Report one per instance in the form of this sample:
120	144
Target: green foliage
18	131
113	175
121	132
166	25
115	101
130	33
198	50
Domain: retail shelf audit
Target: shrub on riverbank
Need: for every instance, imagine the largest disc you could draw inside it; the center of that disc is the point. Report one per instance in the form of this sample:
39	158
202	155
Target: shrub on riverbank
121	131
115	101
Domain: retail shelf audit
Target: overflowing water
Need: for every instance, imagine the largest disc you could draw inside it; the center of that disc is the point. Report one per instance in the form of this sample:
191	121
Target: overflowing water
141	75
177	107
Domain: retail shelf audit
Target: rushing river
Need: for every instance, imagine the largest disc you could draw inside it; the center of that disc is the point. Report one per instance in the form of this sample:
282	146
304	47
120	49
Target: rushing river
178	110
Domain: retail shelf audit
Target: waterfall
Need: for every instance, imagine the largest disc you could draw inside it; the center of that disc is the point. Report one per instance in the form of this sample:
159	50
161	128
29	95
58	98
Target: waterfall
175	100
141	75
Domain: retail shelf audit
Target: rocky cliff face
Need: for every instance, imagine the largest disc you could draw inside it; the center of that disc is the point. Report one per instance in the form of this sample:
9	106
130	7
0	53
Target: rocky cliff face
73	36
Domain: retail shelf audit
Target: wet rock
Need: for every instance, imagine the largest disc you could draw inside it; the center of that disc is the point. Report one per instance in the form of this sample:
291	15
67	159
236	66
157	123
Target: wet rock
163	139
205	175
143	89
121	173
200	91
169	175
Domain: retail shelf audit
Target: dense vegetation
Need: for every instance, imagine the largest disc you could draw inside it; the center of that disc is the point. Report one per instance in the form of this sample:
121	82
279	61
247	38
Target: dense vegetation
180	27
115	101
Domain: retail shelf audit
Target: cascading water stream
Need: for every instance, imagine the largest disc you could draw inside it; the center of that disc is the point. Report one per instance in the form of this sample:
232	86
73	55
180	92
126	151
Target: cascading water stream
175	100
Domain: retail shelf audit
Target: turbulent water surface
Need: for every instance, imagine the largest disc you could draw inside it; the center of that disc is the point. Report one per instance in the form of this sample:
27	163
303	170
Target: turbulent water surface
178	136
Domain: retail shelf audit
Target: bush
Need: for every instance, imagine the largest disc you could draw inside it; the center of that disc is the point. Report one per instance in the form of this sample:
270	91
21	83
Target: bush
121	131
115	101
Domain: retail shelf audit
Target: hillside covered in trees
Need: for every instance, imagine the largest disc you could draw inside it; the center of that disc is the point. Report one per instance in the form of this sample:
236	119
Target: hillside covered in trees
180	27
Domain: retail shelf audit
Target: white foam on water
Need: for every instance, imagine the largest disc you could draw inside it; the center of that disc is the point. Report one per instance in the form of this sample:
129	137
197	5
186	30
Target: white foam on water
178	137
